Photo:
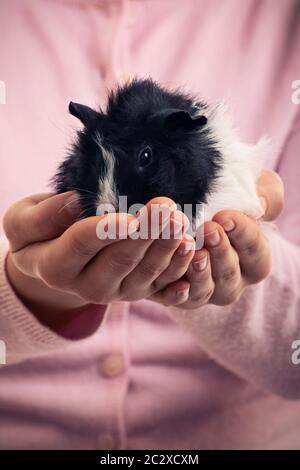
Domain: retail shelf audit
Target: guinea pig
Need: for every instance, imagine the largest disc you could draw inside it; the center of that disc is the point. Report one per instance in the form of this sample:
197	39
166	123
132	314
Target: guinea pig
151	141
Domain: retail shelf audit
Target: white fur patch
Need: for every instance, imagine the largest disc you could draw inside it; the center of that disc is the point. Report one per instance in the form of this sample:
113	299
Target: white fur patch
108	199
235	188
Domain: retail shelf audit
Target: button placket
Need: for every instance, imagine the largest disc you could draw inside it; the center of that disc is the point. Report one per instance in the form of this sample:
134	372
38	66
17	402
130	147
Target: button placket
122	70
113	368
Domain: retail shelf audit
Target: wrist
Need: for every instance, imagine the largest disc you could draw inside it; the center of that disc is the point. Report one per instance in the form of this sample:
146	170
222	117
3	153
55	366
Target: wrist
51	307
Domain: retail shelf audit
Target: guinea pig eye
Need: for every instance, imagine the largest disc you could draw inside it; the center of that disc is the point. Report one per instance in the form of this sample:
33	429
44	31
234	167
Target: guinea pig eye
145	157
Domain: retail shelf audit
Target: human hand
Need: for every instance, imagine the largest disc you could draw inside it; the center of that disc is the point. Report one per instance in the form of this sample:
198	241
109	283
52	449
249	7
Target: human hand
57	265
236	253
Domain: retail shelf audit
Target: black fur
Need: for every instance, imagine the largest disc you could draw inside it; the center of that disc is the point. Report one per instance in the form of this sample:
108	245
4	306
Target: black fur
141	115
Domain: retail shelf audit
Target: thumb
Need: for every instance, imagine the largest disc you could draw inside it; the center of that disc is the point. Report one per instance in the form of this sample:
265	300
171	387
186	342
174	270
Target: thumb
40	217
270	189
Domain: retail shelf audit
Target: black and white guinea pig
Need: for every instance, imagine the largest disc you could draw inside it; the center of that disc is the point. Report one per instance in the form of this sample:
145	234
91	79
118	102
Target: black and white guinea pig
154	142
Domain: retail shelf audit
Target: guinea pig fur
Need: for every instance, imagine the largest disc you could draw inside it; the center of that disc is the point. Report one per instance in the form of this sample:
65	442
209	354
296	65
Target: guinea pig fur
151	142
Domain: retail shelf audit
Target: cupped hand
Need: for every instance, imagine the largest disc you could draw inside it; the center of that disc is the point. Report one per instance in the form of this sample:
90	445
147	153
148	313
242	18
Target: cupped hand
236	253
56	263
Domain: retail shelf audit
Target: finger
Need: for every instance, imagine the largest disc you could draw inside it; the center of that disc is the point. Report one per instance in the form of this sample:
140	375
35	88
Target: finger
153	218
60	260
141	282
40	217
174	295
270	188
110	267
200	278
224	265
193	291
179	263
249	242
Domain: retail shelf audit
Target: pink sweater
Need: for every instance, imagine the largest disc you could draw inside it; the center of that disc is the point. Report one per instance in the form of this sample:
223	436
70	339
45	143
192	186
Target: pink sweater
150	376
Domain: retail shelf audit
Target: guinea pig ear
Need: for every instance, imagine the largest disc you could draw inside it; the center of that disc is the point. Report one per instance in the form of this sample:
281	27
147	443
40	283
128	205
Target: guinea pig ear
177	119
85	114
182	120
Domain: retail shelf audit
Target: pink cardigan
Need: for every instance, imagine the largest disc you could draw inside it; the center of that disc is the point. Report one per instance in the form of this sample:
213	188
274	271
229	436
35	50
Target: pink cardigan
151	376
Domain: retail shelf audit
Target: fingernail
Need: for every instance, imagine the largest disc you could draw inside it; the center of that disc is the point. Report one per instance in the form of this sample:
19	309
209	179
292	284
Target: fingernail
171	205
228	225
182	294
213	238
185	248
263	203
167	207
200	265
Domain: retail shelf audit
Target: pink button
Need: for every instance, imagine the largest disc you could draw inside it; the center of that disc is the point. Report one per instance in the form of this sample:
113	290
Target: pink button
113	365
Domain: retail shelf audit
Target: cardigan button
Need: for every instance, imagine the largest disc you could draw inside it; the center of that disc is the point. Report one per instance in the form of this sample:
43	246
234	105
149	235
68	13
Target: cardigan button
113	365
